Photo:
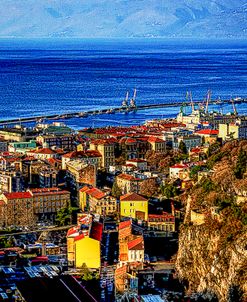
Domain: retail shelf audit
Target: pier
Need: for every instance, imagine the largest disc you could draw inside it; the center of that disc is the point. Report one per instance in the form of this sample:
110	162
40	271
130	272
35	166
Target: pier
83	114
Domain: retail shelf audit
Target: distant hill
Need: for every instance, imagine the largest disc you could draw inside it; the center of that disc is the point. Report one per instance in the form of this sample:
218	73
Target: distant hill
123	18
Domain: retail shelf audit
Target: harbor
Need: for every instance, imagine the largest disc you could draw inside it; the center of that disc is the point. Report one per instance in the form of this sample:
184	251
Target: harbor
125	108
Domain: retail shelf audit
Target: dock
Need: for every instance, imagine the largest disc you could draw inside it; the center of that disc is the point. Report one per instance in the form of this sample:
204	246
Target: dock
83	114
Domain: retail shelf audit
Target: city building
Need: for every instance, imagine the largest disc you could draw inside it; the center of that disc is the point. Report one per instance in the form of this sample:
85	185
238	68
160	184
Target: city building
128	183
96	201
164	222
65	142
140	164
134	206
17	134
48	177
79	174
18	209
22	147
106	147
11	181
84	248
175	170
190	141
210	135
3	145
236	130
92	157
48	201
157	144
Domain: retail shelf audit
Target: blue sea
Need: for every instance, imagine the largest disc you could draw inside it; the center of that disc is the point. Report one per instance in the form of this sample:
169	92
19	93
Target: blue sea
58	76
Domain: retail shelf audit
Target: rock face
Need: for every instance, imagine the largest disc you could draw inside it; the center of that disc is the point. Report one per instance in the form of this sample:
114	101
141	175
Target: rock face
212	264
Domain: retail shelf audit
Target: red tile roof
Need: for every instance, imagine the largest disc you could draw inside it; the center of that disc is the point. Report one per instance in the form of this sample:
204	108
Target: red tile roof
179	166
137	242
44	151
72	231
48	191
18	195
154	139
79	154
79	237
96	193
208	132
127	177
132	197
124	224
137	160
84	189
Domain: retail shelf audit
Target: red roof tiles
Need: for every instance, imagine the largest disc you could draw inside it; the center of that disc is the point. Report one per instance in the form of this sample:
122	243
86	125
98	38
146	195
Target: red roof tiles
137	242
128	177
132	197
179	166
18	195
208	132
124	224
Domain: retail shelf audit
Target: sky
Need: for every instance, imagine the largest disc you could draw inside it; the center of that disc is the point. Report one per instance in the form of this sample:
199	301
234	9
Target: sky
123	18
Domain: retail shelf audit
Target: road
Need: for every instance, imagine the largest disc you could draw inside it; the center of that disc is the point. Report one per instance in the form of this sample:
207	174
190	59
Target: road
39	230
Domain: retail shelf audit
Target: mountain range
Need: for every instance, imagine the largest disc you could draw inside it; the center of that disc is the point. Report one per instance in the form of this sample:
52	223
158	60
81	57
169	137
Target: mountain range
123	18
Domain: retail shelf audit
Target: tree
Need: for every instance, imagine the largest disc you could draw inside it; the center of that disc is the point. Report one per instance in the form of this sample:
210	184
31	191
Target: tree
194	172
116	191
182	147
214	148
241	164
64	216
169	191
149	187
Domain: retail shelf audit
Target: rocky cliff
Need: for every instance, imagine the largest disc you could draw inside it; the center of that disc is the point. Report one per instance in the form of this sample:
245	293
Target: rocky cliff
210	266
212	256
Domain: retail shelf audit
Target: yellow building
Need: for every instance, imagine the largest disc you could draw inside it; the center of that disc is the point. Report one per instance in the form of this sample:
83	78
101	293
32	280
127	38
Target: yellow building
84	247
106	148
134	205
237	130
97	201
157	144
161	222
87	250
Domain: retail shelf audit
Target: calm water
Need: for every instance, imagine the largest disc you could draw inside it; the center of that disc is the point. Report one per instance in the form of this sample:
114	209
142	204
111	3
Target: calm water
46	77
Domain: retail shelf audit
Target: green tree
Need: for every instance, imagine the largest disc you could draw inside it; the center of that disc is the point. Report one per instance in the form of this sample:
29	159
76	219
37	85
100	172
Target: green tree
169	190
116	191
194	172
182	147
241	164
87	275
64	216
214	148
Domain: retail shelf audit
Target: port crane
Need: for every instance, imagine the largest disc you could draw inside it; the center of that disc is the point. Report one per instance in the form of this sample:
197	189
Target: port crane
234	107
125	101
189	98
133	100
208	100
